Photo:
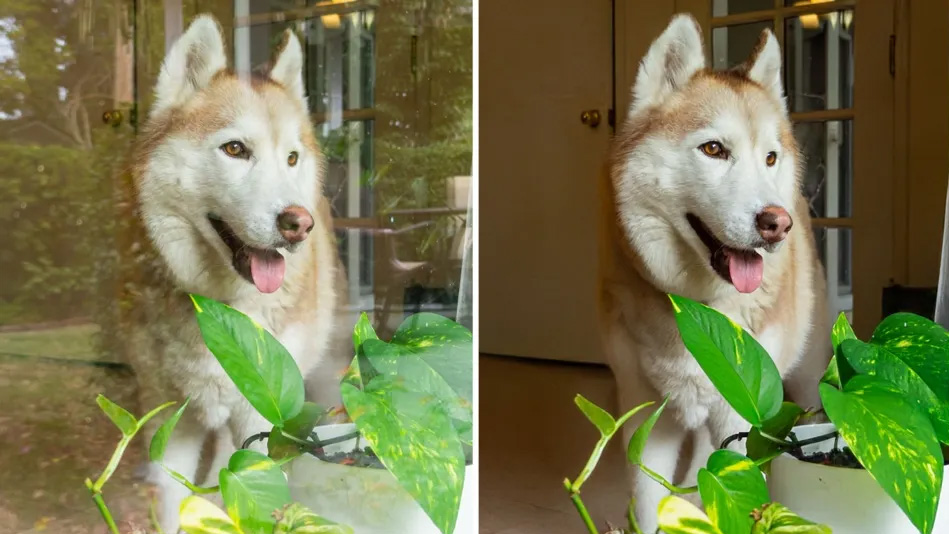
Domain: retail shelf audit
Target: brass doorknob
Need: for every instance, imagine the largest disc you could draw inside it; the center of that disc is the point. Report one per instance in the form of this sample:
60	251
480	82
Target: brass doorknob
112	117
590	117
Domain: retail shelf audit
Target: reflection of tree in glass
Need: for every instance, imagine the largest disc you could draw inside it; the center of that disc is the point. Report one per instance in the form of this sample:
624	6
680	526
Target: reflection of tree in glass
57	65
424	110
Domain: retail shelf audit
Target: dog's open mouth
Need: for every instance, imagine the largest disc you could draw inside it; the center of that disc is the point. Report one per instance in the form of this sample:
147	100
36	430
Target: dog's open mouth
741	268
262	267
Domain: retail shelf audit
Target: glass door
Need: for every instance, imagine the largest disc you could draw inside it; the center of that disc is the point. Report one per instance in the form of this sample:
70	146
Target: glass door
67	120
847	171
390	92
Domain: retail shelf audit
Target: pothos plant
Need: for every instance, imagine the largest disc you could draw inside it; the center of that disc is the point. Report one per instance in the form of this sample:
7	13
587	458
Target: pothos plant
888	399
409	398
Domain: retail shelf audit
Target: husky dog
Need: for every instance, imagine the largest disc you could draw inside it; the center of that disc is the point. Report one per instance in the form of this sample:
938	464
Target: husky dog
705	201
226	202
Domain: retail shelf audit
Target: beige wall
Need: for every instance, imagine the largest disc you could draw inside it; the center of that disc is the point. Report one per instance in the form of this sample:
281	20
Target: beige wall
925	171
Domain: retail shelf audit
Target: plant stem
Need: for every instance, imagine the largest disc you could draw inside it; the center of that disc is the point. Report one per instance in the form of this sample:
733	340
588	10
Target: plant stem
591	463
631	515
187	483
113	463
103	509
581	508
666	484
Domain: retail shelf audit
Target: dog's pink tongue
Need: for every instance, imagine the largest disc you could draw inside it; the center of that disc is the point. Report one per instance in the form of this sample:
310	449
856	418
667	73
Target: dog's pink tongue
745	269
267	268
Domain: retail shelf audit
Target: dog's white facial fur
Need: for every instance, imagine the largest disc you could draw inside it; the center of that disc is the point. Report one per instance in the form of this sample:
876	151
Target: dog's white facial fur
665	174
190	176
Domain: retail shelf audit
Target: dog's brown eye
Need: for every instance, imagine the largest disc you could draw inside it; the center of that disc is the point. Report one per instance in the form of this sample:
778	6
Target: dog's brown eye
771	159
235	149
713	149
292	159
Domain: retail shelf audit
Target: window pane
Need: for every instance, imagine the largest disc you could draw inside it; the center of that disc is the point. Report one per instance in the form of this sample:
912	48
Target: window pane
721	8
835	249
398	149
827	149
731	45
818	61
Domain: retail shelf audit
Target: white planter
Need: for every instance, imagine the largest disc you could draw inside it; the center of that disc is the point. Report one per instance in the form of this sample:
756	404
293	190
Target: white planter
371	501
847	500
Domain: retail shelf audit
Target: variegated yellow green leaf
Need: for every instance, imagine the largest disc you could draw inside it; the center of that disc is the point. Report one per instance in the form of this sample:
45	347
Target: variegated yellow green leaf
261	368
253	487
429	354
876	360
679	516
893	439
413	436
297	519
199	516
838	371
777	519
731	486
363	331
920	343
732	359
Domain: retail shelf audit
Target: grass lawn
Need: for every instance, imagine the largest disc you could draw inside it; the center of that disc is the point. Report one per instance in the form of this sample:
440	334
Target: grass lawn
54	437
74	342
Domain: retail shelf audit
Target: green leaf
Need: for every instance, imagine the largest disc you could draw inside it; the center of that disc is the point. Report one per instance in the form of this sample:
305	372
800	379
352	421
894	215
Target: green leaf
199	516
363	331
922	344
261	368
733	360
156	449
253	487
414	438
679	516
876	360
731	486
778	426
279	446
119	415
634	451
893	440
777	519
297	519
603	421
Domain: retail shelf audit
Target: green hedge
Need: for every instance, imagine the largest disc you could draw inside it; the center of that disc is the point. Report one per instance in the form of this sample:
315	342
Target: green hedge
56	221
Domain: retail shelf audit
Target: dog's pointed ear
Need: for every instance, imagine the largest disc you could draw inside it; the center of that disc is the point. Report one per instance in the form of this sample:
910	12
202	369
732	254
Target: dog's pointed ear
670	62
288	67
764	65
190	64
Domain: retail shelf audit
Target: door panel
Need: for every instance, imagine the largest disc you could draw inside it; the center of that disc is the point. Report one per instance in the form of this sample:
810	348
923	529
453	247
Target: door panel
542	65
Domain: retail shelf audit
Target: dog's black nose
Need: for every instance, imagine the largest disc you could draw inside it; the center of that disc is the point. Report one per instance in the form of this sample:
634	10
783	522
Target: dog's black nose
773	223
294	224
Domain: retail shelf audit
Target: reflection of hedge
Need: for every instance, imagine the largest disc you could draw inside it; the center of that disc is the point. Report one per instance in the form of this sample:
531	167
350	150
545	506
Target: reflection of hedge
56	220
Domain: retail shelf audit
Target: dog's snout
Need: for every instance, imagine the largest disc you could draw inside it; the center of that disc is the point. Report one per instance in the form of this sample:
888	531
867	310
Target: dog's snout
295	223
773	223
